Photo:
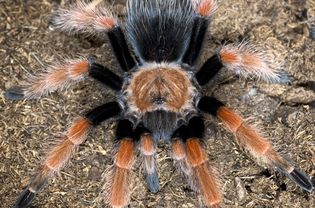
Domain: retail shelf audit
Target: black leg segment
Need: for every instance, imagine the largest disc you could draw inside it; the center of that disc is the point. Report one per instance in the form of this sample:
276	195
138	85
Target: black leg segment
24	199
120	48
103	112
209	69
194	129
210	105
198	33
124	129
105	76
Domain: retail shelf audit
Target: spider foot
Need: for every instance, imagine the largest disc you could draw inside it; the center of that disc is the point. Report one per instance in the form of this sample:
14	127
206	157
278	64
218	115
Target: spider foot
284	77
14	93
153	183
301	179
24	199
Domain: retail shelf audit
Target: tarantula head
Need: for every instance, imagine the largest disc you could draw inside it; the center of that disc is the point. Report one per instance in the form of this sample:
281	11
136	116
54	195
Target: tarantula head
160	95
156	87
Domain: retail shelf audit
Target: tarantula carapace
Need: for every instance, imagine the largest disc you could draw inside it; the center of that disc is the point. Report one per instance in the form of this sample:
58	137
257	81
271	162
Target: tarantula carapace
158	98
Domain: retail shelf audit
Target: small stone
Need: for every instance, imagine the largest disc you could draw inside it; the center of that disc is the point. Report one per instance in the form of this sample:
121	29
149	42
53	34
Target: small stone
240	189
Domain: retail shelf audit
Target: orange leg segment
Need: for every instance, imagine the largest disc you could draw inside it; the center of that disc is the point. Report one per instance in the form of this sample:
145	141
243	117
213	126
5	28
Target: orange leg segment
119	196
205	175
61	153
248	138
56	77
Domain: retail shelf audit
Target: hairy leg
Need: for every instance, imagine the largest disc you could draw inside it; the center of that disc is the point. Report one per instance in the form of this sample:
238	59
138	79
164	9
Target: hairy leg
204	10
193	160
62	152
61	76
147	151
249	138
91	20
118	194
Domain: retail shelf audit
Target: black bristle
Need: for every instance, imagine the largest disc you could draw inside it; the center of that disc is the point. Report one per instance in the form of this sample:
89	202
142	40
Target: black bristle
24	199
301	179
103	112
160	30
105	76
196	127
210	105
209	69
120	48
182	132
124	129
140	130
200	26
14	93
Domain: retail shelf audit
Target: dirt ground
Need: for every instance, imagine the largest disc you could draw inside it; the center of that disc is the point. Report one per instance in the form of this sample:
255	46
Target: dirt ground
286	112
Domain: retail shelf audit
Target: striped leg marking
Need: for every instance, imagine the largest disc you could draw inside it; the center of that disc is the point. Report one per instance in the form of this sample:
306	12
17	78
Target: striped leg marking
246	60
120	195
56	159
248	138
84	18
251	140
193	161
205	175
147	150
56	77
62	152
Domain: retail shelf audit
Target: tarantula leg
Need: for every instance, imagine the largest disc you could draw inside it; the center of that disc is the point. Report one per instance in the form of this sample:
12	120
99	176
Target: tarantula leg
119	195
204	9
83	18
199	30
178	154
120	48
58	76
104	75
186	146
61	76
246	60
243	59
148	151
249	139
61	153
91	20
208	70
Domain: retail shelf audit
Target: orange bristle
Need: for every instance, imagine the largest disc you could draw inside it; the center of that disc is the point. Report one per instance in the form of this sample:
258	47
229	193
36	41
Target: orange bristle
56	77
146	145
106	22
230	119
119	194
178	150
59	155
252	61
206	7
79	68
247	136
124	157
195	154
208	185
78	130
229	57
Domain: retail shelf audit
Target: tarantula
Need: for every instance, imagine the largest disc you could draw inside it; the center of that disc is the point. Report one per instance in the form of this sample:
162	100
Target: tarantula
159	96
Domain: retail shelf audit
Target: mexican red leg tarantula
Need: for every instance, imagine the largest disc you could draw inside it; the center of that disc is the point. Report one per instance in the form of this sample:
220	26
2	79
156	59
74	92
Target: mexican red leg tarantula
158	98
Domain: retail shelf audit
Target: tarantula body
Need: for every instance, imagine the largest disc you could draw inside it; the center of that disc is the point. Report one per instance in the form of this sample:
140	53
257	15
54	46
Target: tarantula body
158	98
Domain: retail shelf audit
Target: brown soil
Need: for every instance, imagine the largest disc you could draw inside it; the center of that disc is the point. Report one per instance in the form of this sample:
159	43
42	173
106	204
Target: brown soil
286	112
